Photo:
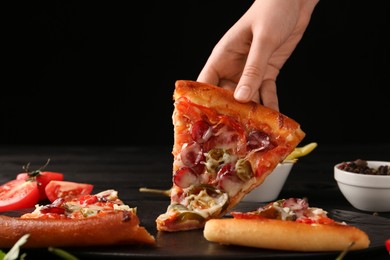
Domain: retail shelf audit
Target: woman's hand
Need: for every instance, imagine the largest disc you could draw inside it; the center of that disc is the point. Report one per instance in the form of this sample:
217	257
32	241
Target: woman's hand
248	58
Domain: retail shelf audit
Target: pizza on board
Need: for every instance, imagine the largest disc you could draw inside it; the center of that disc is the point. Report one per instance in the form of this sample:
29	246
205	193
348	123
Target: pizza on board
222	150
286	224
90	220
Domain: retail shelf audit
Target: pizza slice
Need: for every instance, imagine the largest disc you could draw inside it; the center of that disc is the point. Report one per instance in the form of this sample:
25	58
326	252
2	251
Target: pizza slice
286	224
89	220
222	150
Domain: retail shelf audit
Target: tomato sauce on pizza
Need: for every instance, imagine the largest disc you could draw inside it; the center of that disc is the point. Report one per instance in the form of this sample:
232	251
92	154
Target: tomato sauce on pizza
80	207
292	209
220	155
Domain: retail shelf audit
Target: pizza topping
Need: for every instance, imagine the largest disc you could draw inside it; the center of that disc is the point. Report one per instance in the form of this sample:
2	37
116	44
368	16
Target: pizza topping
244	170
217	157
217	142
185	177
225	136
183	214
55	207
191	154
228	180
292	209
201	131
258	141
215	150
213	159
81	207
203	200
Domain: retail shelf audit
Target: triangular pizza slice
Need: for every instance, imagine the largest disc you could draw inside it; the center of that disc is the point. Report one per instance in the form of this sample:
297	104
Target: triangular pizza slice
222	150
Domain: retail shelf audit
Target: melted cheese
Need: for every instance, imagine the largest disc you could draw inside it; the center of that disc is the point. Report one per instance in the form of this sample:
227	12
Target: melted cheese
75	210
205	205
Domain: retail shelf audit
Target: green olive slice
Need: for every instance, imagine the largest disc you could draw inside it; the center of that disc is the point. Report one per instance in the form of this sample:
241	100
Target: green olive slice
244	169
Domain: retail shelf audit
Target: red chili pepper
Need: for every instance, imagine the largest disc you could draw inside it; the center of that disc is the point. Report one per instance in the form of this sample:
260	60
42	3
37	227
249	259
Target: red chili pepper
387	243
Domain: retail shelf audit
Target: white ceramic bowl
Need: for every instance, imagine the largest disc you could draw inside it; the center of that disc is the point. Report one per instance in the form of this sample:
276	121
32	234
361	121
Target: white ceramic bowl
269	190
364	191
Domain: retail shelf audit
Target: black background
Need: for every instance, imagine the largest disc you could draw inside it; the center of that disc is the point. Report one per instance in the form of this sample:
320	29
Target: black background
103	72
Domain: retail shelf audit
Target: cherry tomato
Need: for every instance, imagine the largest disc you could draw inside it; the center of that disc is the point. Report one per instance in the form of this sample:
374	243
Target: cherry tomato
18	194
42	178
65	189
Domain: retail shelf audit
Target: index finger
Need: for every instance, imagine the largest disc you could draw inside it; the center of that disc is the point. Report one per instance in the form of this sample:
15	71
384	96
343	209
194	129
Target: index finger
254	70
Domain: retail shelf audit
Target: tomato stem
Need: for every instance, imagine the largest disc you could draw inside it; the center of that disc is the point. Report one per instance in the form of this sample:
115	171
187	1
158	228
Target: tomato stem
35	173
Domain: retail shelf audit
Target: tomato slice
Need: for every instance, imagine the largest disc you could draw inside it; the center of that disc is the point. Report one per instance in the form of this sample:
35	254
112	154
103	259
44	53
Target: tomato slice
43	178
66	189
18	194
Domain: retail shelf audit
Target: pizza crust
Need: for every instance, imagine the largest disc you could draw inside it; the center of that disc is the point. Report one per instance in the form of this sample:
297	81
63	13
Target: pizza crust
109	229
222	101
285	235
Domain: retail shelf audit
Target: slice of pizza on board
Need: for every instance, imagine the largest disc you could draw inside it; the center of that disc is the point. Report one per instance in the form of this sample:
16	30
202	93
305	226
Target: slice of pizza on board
222	150
101	219
286	224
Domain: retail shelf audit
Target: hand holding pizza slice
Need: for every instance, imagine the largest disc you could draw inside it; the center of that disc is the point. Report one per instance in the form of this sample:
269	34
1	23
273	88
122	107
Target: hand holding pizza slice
222	150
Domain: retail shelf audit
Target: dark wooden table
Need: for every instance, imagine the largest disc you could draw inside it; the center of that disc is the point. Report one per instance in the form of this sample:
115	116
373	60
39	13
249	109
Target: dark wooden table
126	169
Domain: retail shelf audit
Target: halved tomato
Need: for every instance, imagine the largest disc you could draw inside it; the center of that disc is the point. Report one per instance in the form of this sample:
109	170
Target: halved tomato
18	194
66	189
42	178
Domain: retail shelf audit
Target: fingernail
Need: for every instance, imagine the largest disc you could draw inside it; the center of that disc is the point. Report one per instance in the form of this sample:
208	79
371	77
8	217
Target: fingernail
243	93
